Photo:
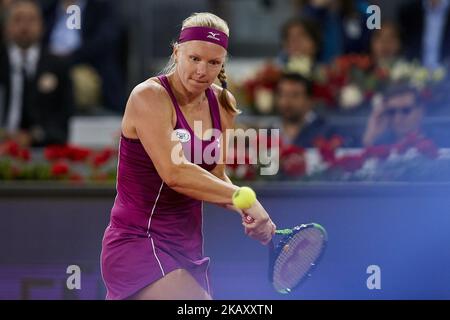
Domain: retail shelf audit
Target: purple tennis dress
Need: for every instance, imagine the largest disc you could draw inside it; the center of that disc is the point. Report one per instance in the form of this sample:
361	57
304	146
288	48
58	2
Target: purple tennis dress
154	229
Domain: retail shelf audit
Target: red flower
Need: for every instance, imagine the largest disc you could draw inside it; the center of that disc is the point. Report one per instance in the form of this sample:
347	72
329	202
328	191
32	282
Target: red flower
327	148
55	152
102	157
59	169
349	163
324	93
291	149
345	63
382	73
25	154
99	160
78	154
427	148
327	153
12	149
336	141
409	141
293	161
250	173
380	152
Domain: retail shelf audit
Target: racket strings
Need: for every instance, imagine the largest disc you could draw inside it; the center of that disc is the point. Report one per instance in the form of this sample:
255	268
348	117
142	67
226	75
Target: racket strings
296	258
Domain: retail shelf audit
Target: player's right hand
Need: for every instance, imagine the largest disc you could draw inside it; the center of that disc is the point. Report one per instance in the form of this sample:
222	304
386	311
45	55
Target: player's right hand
257	224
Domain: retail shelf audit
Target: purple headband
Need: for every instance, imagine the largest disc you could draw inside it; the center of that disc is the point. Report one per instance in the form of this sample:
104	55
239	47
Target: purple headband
204	34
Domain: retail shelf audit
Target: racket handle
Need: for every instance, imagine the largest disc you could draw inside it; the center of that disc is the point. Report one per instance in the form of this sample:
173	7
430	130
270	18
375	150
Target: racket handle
284	231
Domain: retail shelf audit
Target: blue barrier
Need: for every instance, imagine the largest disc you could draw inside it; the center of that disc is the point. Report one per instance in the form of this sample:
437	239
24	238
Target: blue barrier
403	229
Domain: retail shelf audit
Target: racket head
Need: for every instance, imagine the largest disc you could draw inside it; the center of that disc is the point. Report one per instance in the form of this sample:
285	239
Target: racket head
296	255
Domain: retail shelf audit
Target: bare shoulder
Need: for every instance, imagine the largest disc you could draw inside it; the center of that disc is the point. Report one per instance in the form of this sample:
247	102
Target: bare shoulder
148	96
148	103
227	118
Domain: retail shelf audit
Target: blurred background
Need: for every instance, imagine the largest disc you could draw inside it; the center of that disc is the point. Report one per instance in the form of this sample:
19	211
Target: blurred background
363	114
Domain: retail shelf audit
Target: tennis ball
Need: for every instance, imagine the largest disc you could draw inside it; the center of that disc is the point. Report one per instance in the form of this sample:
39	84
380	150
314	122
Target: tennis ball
244	198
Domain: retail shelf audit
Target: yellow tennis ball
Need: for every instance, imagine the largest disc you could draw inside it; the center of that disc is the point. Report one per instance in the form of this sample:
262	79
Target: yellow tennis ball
244	198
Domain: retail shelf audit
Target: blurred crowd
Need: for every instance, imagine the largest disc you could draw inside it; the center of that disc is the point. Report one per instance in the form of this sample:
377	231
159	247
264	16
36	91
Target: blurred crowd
50	72
328	36
51	69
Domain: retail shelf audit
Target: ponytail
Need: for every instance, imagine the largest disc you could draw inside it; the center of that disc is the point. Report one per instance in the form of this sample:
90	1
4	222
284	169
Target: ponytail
223	97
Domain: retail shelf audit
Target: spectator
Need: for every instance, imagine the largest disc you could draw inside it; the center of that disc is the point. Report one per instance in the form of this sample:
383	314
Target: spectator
343	24
35	90
426	30
300	125
385	45
301	43
4	4
400	114
95	44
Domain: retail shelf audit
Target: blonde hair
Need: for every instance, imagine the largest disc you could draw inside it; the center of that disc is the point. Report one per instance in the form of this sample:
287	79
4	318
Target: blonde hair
206	19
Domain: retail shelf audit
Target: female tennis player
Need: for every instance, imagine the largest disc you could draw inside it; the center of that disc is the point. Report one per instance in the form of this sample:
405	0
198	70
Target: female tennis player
153	245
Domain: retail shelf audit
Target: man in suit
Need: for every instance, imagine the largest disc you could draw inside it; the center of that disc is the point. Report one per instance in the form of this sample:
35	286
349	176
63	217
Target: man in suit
425	29
300	125
35	88
96	43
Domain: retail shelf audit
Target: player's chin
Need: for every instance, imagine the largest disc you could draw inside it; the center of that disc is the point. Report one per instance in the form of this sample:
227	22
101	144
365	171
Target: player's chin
198	85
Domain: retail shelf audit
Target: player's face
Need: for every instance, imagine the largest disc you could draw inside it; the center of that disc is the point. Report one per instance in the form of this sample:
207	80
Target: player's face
199	64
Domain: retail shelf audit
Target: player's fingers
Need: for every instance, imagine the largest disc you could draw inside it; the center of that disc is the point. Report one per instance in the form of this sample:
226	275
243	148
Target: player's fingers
255	235
274	228
249	226
266	241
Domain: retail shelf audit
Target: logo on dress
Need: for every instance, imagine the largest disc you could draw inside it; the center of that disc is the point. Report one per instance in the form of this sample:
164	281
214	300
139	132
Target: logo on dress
213	35
183	135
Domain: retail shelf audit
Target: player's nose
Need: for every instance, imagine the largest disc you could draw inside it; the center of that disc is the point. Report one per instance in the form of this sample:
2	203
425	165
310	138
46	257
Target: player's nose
201	69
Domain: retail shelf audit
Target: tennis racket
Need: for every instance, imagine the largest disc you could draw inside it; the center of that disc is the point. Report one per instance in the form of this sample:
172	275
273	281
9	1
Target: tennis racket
295	255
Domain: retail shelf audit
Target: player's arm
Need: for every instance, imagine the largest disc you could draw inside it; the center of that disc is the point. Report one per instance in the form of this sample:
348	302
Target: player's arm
151	115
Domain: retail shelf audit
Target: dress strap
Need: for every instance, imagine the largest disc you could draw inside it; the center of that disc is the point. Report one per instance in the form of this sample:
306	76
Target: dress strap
214	108
180	117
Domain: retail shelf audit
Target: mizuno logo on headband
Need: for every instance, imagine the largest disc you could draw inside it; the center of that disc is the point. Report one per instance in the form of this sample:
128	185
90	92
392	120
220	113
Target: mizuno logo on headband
213	35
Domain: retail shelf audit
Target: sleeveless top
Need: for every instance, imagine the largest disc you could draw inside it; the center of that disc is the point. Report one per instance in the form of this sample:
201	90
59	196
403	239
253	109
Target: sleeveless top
154	229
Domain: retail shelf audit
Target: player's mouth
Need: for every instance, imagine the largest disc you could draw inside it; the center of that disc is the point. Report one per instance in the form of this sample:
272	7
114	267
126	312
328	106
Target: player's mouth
200	82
